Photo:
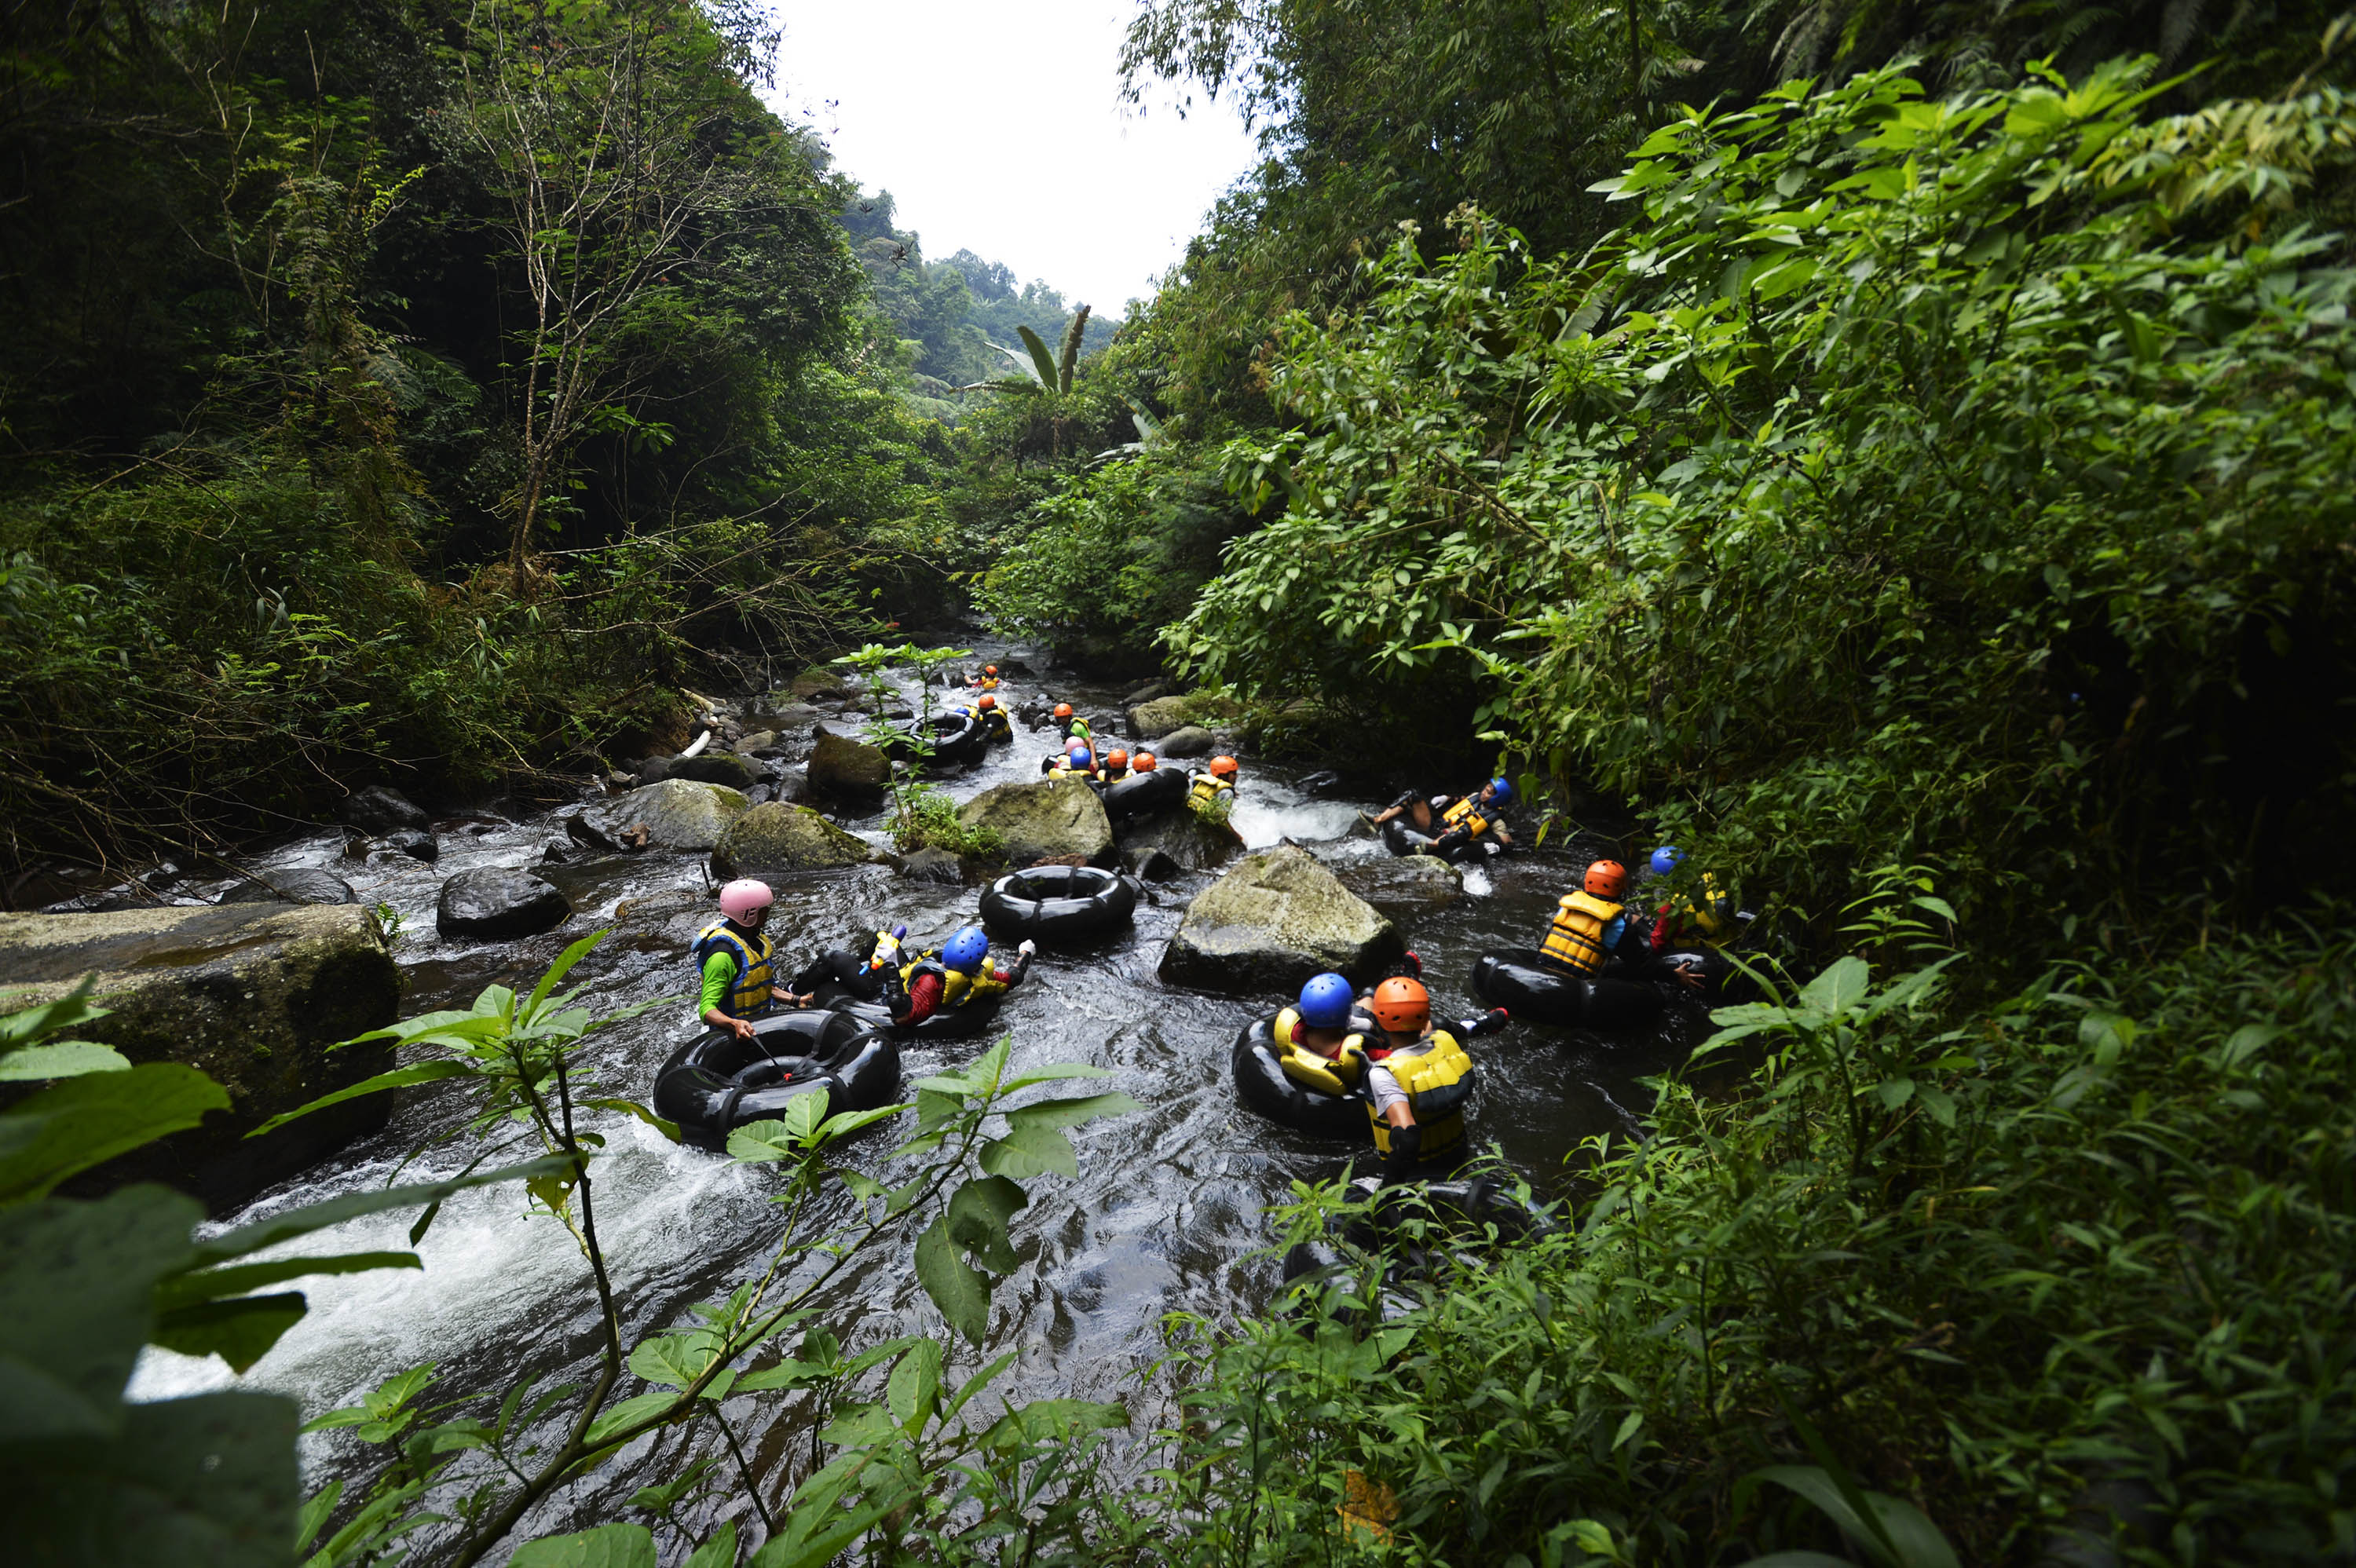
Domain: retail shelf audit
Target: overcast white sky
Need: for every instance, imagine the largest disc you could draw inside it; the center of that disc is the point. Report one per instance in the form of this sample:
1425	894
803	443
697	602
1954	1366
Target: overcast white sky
996	126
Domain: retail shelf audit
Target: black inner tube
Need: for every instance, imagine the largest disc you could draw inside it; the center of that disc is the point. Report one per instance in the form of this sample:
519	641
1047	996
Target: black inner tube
1261	1084
1059	904
1536	991
716	1083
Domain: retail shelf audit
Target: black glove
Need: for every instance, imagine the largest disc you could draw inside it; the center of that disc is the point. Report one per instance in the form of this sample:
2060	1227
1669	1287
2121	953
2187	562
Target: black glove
1407	1145
1489	1022
1406	799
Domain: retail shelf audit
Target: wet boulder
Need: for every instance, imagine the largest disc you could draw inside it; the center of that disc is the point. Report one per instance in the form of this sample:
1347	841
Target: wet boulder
1271	922
1146	693
380	810
1151	720
253	994
295	885
929	865
1194	741
843	769
491	902
414	842
1402	885
777	837
754	745
653	769
1194	843
1054	819
818	684
1150	865
718	768
675	814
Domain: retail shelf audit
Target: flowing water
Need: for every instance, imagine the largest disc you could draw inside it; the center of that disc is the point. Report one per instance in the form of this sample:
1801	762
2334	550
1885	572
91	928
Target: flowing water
1164	1216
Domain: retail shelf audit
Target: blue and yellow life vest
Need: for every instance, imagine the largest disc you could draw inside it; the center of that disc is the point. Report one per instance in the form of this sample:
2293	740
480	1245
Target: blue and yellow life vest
957	989
1465	814
1310	1067
1437	1077
750	990
1575	939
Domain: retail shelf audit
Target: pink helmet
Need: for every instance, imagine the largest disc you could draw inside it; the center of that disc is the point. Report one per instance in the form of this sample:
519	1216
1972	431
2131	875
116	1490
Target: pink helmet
744	898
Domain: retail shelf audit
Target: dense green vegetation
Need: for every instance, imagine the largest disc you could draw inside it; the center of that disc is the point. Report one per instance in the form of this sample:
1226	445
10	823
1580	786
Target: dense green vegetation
1900	452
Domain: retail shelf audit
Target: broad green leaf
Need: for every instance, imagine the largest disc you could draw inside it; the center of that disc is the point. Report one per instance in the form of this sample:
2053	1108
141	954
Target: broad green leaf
27	1025
60	1059
1028	1151
979	1381
607	1546
766	1142
83	1122
913	1391
1072	1111
674	1360
842	1124
212	1284
563	966
240	1330
1041	360
1055	1072
784	1374
2247	1042
632	1108
719	1551
1837	988
979	1215
399	1077
629	1413
960	1291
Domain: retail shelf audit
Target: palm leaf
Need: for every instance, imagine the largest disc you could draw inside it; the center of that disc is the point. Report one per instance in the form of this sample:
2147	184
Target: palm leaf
1043	361
1072	336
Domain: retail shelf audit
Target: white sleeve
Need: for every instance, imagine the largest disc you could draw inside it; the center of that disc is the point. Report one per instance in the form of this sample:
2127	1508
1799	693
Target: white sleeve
1383	1088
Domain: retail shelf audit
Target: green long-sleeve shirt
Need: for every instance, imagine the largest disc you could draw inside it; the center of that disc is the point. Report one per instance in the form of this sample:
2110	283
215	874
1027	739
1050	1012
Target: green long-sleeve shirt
719	974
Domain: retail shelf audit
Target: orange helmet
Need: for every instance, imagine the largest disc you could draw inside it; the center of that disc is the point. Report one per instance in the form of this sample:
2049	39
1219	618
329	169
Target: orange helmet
1223	767
1063	711
988	702
989	669
1117	758
1142	762
1606	880
1402	1006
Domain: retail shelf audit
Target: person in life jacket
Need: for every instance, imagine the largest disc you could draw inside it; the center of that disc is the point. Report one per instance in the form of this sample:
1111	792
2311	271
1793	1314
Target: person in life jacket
1143	762
1454	820
1115	765
1591	929
993	719
1706	915
987	680
1320	1041
1418	1080
1212	783
1077	761
912	989
735	961
1070	725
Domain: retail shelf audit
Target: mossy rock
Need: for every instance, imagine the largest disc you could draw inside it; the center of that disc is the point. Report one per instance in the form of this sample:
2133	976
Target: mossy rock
1271	922
776	836
675	814
1051	820
845	769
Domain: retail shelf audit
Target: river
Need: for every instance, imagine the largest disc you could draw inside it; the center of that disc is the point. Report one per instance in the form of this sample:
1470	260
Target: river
1164	1216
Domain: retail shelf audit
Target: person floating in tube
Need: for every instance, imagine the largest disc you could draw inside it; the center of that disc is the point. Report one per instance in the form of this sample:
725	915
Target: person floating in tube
1077	761
987	680
1070	725
1212	792
1418	1079
912	990
1707	915
1114	767
737	966
1591	929
993	719
1453	822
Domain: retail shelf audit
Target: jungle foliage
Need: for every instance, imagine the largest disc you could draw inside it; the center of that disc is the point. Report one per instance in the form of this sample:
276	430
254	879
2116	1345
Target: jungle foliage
422	390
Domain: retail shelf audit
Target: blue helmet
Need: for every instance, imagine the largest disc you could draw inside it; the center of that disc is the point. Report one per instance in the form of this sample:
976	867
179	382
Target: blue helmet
1078	752
1499	791
1325	1001
967	950
1666	859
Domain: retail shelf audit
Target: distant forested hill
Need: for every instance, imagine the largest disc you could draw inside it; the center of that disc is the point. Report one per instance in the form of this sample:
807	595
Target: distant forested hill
950	313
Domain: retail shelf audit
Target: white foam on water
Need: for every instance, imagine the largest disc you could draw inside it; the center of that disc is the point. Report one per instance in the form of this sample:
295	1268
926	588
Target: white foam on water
1476	881
1267	812
490	1266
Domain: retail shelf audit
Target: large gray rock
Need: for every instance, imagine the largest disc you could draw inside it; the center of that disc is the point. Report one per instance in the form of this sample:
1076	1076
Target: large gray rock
1054	819
843	769
718	768
813	683
489	902
1152	720
1271	922
252	994
1194	741
1401	885
380	809
414	842
1196	844
780	838
294	885
675	814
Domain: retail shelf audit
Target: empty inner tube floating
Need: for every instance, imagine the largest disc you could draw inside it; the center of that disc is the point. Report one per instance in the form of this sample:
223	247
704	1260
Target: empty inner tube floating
958	740
1059	904
1140	794
716	1083
1401	837
1536	991
1261	1083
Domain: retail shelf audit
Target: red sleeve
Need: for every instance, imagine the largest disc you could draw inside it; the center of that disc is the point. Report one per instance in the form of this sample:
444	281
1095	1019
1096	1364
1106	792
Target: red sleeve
924	999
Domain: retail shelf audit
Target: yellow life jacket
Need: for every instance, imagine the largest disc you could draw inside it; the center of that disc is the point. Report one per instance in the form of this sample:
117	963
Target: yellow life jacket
1310	1067
1208	787
1437	1077
988	683
749	991
994	721
1713	916
1464	815
956	990
1575	939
